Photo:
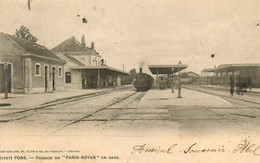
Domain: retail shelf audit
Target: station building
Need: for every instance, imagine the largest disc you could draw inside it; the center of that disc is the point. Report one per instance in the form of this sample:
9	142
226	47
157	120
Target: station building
32	68
85	67
244	72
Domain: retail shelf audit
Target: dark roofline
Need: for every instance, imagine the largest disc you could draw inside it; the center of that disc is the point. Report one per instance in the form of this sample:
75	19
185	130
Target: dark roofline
233	65
74	60
190	72
27	53
209	70
71	53
18	46
65	41
33	55
99	67
77	42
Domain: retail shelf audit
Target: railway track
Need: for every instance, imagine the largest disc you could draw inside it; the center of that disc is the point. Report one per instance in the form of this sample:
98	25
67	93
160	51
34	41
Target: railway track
240	101
15	115
252	93
96	111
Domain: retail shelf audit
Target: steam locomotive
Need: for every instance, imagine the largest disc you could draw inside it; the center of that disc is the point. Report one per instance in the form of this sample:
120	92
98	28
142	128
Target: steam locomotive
143	81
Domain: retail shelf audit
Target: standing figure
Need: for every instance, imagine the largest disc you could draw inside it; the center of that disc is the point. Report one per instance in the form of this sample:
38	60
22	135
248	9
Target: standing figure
232	85
239	86
249	83
114	85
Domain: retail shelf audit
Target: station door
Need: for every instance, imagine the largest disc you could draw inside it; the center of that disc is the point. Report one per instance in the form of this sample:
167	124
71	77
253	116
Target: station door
2	78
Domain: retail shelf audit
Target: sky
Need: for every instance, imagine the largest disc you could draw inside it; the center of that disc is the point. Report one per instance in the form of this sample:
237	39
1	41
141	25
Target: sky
148	32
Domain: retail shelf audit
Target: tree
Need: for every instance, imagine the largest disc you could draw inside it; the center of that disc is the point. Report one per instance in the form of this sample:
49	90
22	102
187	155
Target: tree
133	71
24	33
132	75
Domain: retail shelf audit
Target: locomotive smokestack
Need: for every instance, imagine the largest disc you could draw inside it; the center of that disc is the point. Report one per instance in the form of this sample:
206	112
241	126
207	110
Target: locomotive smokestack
140	70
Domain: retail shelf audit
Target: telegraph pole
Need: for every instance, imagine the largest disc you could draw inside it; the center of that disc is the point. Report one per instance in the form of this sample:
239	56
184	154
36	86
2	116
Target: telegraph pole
6	79
172	80
6	85
179	89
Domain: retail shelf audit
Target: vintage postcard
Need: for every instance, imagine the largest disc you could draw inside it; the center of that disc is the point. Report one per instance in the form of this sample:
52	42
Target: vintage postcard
129	81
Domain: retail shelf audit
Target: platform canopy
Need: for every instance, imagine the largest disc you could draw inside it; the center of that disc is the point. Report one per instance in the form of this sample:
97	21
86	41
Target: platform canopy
233	67
107	69
165	69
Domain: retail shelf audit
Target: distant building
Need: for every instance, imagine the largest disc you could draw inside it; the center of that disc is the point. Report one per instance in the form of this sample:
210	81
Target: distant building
85	68
31	67
245	73
205	73
189	74
188	77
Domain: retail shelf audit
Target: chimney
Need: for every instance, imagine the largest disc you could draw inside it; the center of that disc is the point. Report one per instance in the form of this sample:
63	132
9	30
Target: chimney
140	70
72	43
92	45
83	43
73	38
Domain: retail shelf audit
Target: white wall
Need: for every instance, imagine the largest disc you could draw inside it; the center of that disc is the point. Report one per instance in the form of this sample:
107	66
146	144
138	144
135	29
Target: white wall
86	59
97	60
118	80
76	78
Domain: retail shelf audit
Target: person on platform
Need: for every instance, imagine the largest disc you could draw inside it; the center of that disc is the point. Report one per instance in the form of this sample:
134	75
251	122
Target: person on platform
239	86
249	81
114	85
232	85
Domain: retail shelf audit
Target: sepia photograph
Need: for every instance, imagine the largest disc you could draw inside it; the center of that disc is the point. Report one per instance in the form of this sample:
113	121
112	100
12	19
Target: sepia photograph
130	81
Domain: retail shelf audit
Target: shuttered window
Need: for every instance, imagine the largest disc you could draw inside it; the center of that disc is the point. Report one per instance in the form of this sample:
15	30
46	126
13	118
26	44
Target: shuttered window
68	77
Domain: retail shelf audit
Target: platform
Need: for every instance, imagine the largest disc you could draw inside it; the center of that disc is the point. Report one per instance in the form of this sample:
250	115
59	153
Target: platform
162	98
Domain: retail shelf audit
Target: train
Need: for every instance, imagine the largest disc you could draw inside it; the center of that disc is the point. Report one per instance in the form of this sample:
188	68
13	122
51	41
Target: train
143	81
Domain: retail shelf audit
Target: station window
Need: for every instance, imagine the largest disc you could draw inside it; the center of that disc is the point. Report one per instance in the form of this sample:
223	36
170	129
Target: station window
60	71
68	77
37	69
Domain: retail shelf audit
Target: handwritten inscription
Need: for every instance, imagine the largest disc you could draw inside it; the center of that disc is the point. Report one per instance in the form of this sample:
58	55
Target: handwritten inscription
247	148
194	148
144	149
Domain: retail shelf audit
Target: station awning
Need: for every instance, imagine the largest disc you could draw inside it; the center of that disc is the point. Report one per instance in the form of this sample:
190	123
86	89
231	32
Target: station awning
104	68
233	67
165	69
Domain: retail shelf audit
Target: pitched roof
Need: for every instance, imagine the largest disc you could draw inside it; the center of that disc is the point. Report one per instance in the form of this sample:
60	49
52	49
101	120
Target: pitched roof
68	45
72	47
74	60
32	47
191	72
